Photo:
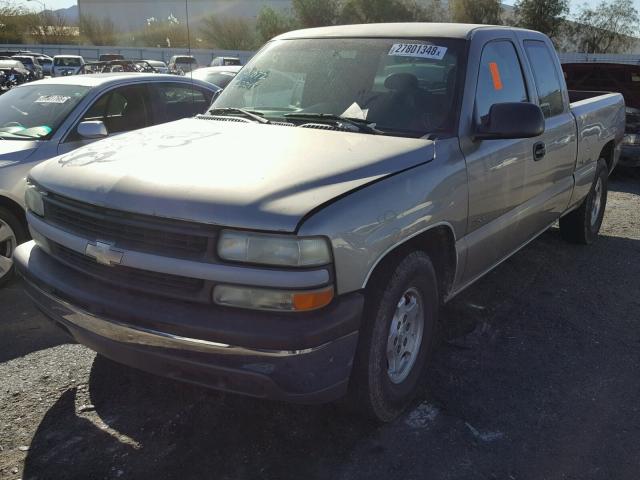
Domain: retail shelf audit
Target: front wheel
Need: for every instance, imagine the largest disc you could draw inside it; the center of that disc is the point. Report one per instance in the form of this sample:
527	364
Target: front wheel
396	337
12	233
583	224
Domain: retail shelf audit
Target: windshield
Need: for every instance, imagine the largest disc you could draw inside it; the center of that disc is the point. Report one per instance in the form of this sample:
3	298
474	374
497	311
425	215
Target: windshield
404	87
67	62
220	79
36	111
25	60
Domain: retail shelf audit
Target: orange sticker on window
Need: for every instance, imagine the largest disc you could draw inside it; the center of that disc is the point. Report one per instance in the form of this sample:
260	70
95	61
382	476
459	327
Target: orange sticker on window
495	76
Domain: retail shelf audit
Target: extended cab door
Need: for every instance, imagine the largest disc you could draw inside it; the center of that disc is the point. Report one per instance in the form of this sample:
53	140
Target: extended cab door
549	177
496	168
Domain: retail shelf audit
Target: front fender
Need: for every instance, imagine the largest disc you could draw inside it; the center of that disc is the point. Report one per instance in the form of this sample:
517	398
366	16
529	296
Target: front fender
367	224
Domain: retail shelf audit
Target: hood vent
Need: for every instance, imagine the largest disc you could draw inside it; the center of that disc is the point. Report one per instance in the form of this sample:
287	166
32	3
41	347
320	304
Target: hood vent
320	126
224	119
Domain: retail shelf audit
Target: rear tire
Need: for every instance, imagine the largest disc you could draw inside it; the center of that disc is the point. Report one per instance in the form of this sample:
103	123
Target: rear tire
396	338
12	234
583	224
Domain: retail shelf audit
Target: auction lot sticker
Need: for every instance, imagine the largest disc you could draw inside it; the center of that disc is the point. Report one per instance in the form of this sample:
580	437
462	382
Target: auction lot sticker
419	50
51	99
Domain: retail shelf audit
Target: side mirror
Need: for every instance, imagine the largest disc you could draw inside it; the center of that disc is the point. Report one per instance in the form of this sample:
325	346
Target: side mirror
92	129
511	120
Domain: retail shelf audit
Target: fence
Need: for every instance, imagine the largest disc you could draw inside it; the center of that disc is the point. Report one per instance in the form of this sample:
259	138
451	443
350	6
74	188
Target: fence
203	56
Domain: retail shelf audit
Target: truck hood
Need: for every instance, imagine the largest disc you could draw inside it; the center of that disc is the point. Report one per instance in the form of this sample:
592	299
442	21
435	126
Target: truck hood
264	177
16	151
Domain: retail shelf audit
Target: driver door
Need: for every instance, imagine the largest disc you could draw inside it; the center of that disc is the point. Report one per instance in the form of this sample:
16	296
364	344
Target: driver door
121	110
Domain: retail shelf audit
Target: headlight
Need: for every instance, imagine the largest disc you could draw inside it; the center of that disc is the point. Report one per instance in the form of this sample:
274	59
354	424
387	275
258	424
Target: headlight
631	110
278	250
630	139
262	299
33	198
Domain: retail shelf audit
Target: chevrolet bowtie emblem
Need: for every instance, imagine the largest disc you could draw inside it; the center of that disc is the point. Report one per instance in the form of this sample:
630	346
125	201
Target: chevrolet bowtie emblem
103	253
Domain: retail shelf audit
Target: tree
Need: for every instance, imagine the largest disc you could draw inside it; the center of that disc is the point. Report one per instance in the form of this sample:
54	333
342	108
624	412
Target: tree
546	16
98	32
477	11
14	23
377	11
49	28
228	33
159	32
316	13
609	27
271	23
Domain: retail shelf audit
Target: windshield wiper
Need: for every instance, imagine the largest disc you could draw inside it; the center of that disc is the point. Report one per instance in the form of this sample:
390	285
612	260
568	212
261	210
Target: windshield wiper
360	123
253	115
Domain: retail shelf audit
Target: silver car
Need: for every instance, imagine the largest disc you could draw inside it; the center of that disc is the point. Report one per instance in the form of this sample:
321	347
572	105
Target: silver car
44	119
64	65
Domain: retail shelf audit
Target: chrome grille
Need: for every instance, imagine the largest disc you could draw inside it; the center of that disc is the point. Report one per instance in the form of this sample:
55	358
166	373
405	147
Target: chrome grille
173	286
143	233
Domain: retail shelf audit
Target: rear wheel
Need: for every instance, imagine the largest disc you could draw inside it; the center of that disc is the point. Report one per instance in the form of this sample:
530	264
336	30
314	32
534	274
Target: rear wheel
583	224
12	234
396	337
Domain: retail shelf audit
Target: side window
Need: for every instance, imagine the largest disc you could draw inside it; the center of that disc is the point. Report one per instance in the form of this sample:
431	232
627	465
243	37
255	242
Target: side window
121	110
127	109
546	76
175	101
500	79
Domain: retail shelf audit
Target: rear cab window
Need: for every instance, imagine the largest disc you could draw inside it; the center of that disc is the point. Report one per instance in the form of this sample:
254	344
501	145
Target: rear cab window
500	79
546	77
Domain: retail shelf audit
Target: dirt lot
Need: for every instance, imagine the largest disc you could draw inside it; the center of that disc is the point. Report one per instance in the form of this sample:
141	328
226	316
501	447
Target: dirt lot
537	378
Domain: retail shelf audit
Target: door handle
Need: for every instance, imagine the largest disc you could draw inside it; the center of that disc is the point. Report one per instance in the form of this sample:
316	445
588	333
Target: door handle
539	151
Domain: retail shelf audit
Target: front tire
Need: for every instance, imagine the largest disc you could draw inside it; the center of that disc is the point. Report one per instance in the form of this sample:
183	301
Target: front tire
396	338
12	234
583	224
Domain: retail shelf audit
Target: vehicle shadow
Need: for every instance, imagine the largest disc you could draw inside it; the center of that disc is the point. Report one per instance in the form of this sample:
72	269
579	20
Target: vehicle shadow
626	180
535	377
143	424
23	329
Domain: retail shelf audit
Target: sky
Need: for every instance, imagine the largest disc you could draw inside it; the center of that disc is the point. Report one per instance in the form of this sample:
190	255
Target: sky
55	4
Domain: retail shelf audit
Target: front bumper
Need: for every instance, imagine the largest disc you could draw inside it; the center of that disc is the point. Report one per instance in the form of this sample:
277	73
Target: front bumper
629	156
299	358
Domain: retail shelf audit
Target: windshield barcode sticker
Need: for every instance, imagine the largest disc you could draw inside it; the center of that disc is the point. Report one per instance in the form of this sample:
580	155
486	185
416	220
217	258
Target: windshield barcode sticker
52	99
419	50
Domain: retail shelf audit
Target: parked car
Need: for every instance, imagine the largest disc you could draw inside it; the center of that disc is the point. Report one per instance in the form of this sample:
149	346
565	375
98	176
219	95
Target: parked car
107	57
64	65
118	66
225	61
46	62
181	64
308	256
615	78
54	116
16	69
219	76
158	65
31	64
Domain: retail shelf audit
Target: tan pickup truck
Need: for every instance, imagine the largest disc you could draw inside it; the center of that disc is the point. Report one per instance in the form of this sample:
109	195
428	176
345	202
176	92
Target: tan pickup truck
297	241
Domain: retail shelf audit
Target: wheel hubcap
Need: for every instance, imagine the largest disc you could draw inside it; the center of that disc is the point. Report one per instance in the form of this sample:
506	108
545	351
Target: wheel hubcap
597	202
8	243
405	336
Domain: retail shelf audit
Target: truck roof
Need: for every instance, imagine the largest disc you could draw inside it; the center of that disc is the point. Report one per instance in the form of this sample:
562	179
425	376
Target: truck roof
391	30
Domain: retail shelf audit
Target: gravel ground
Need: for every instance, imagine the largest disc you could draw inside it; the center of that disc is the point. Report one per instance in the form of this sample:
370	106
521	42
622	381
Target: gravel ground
536	378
